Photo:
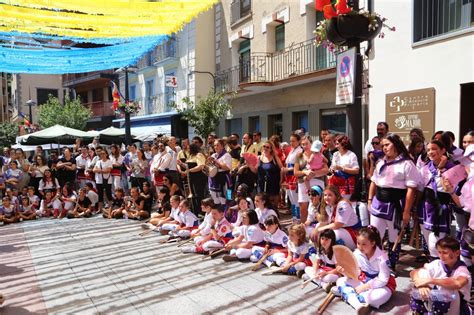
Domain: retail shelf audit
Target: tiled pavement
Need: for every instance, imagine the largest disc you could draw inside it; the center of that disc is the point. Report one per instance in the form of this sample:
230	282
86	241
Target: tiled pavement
92	266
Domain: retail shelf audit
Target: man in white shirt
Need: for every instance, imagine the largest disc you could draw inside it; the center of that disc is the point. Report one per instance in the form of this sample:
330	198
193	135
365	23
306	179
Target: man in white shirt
160	164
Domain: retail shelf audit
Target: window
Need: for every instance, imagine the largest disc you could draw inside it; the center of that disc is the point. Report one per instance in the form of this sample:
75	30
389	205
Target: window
149	93
234	126
434	18
321	50
280	37
244	60
169	94
275	125
334	121
240	9
132	92
254	124
42	95
300	119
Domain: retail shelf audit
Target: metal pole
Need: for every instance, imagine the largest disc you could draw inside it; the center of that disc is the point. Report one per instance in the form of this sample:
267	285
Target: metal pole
31	112
354	111
128	134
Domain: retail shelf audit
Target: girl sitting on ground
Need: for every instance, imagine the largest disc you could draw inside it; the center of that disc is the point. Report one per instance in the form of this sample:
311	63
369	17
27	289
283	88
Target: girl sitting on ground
298	257
250	234
276	242
324	272
26	211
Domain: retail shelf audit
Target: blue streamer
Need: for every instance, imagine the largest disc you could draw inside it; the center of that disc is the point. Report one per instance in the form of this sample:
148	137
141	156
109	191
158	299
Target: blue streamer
75	60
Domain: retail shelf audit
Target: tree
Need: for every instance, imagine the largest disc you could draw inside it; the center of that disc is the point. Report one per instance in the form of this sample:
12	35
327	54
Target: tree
8	134
206	114
72	114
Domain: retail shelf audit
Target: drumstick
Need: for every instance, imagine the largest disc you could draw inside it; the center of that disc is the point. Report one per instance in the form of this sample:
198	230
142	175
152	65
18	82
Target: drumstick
218	252
272	271
305	283
185	242
261	260
399	238
326	302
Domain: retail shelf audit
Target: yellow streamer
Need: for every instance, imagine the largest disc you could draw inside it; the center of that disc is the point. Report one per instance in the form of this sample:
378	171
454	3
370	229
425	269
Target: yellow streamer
113	18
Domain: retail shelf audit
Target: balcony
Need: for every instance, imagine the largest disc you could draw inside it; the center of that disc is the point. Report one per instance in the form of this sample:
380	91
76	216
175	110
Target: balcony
100	108
240	9
294	62
75	79
166	53
155	104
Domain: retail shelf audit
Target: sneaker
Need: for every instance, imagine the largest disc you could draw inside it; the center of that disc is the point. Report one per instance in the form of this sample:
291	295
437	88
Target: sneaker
305	277
189	250
228	258
335	291
363	309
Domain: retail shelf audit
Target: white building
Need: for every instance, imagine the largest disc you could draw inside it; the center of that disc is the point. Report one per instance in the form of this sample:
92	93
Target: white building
432	48
191	49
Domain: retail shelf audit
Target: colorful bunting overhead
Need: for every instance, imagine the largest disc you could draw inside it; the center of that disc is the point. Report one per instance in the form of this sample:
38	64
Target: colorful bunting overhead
70	36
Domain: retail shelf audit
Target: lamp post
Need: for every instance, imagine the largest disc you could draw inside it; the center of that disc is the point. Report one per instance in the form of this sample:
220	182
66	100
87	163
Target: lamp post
128	134
31	103
206	72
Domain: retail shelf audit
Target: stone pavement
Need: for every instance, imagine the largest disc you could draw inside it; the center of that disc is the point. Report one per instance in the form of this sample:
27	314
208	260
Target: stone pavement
92	266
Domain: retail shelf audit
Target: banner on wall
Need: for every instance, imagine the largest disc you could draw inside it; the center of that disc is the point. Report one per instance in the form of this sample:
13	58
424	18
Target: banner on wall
411	109
345	80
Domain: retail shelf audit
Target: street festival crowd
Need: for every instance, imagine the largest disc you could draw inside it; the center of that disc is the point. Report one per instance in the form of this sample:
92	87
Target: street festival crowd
226	196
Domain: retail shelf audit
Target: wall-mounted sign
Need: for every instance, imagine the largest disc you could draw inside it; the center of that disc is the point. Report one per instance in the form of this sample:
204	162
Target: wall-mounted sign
345	71
171	81
411	109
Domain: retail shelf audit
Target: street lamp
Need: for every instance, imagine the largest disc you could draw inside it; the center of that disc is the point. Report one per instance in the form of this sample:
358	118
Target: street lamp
128	133
30	103
206	72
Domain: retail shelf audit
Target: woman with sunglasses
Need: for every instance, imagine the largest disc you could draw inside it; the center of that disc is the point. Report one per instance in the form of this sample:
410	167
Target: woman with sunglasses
171	185
373	156
268	172
314	177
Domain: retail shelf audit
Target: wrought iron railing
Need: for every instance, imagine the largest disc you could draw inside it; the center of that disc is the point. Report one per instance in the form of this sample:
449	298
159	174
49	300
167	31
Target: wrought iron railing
100	108
239	9
295	60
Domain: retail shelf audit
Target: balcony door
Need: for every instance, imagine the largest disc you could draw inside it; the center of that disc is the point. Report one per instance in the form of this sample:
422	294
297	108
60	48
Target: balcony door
149	93
244	61
322	54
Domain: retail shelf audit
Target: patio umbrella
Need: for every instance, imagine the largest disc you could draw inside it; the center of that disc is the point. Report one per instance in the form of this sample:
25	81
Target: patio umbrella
56	134
113	135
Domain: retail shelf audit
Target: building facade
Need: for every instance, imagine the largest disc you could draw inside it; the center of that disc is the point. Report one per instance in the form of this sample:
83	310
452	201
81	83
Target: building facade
189	50
94	91
6	109
281	81
422	75
37	88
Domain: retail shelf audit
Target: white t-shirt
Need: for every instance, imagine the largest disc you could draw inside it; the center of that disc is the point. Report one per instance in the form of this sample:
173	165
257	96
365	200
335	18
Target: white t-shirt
187	218
344	214
376	265
263	214
100	178
93	197
348	160
278	238
252	233
297	251
224	159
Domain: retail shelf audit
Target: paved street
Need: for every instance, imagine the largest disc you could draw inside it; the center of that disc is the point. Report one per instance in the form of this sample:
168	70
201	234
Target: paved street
91	266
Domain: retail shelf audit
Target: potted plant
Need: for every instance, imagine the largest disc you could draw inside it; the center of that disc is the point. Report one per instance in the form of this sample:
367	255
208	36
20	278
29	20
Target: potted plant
128	107
345	26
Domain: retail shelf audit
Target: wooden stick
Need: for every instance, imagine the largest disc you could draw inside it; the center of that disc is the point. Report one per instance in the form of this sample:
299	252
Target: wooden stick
261	260
326	302
305	283
272	271
170	240
399	238
186	241
218	252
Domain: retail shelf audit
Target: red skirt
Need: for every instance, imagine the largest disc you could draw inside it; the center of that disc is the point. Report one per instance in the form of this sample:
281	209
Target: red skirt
345	186
158	179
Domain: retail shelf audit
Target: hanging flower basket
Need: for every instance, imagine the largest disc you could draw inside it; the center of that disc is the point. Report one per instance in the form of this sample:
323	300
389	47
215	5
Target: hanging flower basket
130	107
344	26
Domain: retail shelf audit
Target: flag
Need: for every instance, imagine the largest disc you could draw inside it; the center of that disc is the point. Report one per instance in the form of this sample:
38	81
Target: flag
115	95
26	122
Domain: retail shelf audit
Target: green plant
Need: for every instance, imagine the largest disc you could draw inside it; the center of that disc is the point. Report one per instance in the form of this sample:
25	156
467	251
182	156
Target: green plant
206	114
72	114
8	134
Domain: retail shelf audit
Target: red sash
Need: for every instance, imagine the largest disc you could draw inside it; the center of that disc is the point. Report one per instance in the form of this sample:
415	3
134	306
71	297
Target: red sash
391	284
116	172
158	178
345	186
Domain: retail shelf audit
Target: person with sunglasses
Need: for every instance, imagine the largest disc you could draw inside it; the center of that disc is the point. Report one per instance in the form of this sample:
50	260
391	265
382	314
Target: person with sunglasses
315	194
373	157
268	172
